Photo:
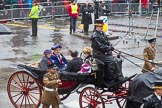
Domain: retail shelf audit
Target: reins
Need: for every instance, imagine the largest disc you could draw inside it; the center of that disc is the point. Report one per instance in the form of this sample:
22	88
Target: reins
119	54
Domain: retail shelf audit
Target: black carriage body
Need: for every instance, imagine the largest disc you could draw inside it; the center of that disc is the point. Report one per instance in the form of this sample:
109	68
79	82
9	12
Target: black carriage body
96	77
33	71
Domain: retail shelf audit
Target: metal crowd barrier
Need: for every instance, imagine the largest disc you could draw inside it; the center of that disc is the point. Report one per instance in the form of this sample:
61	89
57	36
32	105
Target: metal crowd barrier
59	9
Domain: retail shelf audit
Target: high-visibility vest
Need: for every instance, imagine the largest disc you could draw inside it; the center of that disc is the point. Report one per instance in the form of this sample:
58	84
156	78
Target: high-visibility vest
74	8
34	12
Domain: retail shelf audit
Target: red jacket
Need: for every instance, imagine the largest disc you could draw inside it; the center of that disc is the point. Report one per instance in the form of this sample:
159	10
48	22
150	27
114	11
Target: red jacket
145	3
75	15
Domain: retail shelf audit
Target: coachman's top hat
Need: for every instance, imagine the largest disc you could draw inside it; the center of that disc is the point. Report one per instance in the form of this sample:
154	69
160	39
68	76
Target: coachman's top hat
157	85
99	22
153	40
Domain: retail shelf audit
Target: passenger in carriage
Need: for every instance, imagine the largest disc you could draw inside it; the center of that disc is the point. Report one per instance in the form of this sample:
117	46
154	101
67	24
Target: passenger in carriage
154	100
87	60
76	62
51	81
58	58
43	65
102	50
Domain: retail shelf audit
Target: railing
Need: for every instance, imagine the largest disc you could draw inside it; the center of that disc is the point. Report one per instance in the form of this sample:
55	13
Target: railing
15	11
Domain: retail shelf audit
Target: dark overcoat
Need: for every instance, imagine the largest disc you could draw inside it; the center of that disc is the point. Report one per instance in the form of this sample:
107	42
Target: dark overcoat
86	14
74	65
152	102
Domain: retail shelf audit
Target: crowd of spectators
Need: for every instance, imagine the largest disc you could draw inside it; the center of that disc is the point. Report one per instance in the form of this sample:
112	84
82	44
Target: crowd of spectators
6	4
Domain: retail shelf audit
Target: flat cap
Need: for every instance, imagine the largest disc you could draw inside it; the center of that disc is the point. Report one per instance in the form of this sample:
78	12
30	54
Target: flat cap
152	40
157	85
47	51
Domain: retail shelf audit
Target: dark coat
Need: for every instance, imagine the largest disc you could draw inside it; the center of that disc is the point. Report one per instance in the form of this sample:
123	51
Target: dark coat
60	62
43	65
101	46
103	10
102	50
152	102
74	65
86	14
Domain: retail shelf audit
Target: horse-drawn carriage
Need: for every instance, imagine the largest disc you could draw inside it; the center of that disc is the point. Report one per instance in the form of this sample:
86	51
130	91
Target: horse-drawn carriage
25	88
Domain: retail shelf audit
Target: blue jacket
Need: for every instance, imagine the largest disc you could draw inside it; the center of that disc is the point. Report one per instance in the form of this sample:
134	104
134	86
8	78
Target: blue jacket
60	61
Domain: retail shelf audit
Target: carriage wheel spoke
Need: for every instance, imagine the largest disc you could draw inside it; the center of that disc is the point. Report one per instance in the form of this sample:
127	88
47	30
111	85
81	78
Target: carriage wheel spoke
28	100
22	101
23	80
27	82
16	86
19	81
90	98
33	97
18	98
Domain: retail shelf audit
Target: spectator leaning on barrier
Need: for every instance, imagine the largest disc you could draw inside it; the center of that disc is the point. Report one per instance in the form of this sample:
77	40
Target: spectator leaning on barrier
34	16
73	11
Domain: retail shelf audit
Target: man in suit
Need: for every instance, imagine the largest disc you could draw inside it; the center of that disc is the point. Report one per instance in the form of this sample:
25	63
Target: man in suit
154	100
149	55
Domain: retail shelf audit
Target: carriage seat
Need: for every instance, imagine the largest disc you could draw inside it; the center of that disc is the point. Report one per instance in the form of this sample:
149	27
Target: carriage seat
33	70
77	77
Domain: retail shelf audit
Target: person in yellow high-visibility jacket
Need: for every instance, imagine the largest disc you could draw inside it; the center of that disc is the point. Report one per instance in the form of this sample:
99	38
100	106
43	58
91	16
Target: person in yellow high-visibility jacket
34	16
73	11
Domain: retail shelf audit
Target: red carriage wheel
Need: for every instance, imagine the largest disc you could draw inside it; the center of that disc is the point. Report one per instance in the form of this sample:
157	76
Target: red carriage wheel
122	94
23	90
90	98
